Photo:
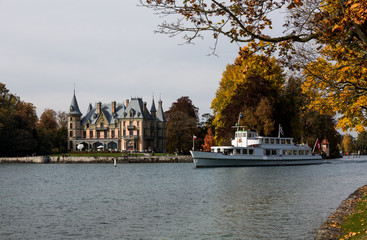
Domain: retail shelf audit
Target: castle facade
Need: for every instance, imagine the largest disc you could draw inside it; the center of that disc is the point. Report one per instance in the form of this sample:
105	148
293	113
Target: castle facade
117	127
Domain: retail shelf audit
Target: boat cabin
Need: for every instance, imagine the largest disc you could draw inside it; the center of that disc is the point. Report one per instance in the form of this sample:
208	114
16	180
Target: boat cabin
251	138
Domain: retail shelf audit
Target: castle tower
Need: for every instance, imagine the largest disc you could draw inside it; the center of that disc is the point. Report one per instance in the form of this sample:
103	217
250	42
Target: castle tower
74	124
161	124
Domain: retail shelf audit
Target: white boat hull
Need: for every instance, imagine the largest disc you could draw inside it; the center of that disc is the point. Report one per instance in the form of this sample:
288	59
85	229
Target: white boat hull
210	159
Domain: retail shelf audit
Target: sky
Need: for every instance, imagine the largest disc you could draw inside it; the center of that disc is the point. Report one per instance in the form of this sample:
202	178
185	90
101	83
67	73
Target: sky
107	51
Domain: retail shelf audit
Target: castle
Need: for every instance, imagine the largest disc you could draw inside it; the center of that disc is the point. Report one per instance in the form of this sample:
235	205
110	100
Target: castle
117	127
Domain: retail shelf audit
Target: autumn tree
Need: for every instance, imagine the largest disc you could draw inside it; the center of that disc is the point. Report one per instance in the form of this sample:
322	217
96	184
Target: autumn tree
252	85
47	131
17	125
327	39
208	141
182	124
361	142
347	143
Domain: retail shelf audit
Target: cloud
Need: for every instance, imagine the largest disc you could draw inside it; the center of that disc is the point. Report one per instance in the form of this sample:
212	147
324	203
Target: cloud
107	49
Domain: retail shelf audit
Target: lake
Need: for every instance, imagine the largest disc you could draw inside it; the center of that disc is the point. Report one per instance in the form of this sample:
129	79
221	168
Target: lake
172	200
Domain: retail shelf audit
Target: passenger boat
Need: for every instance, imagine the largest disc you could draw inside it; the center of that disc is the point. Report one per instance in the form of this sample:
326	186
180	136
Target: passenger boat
249	149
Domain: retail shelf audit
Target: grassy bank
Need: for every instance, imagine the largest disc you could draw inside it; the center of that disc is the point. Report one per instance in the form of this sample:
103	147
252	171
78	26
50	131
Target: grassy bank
355	225
108	154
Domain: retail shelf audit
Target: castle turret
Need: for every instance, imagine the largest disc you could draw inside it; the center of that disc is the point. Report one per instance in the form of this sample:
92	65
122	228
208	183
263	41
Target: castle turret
74	127
153	110
161	125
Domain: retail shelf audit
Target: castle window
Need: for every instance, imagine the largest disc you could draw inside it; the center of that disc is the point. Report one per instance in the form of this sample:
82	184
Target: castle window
84	134
112	134
87	125
71	134
71	125
90	134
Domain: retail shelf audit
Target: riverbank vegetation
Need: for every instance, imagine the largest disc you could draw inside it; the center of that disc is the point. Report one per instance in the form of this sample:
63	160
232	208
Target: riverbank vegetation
22	133
354	227
255	92
108	154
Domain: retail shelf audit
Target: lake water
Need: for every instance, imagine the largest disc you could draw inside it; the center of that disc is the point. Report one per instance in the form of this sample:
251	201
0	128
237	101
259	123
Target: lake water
172	201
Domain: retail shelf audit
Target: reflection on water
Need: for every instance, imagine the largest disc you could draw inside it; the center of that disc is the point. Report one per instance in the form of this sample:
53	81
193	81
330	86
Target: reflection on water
172	201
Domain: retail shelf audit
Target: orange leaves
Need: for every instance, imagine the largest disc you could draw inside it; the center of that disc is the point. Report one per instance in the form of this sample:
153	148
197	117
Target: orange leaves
294	4
356	11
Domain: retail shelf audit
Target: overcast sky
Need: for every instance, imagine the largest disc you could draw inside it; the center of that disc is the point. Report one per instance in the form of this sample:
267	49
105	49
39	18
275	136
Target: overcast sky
108	49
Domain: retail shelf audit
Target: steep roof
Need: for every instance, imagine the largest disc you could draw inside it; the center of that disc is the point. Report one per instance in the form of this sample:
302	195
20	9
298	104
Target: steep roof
135	109
74	107
160	113
106	110
153	109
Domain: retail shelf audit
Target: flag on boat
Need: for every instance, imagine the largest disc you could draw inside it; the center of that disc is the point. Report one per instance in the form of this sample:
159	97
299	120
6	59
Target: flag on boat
194	137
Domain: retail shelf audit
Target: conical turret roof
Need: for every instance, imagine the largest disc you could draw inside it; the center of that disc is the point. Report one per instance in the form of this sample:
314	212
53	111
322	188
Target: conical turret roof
74	107
153	109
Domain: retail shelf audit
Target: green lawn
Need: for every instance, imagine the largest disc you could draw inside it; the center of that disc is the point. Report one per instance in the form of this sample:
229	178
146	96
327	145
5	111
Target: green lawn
355	225
107	154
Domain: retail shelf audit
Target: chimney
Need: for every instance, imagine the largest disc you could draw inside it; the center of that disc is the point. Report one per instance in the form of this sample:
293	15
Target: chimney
113	107
127	102
99	107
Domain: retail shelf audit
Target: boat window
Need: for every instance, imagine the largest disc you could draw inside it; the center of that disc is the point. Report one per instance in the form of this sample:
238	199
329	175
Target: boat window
244	151
266	140
267	152
273	152
277	141
284	152
283	141
238	151
301	152
295	152
307	152
251	151
228	151
288	141
272	141
289	152
218	150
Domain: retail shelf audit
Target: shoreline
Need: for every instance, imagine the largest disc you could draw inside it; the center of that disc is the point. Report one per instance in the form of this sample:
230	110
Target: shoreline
331	230
95	159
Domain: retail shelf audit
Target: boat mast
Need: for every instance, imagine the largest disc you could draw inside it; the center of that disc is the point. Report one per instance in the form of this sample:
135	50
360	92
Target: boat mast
238	122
